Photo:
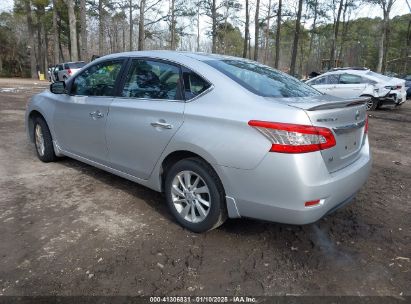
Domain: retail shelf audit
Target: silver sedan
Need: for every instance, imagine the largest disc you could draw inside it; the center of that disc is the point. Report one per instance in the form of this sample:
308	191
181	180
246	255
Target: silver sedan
220	136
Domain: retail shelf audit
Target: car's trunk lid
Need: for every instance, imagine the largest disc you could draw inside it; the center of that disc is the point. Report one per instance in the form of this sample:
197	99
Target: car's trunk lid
345	117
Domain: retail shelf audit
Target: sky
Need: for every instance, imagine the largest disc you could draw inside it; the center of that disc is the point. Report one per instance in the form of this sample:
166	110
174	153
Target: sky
400	8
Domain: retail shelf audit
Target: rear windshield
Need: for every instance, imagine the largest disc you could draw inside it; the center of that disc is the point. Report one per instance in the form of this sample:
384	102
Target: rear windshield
378	76
76	65
262	80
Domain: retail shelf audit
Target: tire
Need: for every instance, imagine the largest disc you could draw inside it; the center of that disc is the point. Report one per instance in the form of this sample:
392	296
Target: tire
182	203
373	104
43	141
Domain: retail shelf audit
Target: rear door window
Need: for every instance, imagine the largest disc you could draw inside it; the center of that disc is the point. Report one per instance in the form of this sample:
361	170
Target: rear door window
194	84
152	79
333	79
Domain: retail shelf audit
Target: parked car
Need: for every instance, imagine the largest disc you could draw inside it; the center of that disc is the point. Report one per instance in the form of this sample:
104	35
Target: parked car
407	79
68	69
220	136
358	82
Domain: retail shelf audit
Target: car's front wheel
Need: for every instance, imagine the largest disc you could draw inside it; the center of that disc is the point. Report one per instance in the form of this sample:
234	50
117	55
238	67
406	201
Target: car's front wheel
195	195
43	141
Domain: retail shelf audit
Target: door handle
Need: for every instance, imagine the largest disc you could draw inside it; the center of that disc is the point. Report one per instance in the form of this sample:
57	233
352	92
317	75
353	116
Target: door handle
96	114
160	124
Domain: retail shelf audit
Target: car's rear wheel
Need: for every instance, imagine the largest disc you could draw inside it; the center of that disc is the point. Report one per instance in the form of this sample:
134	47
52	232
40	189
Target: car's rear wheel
195	195
43	141
372	103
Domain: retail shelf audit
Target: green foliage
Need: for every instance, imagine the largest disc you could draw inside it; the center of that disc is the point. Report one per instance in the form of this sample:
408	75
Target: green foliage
229	40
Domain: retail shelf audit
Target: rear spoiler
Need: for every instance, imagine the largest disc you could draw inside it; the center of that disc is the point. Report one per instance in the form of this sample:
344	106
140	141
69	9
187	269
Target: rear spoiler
340	104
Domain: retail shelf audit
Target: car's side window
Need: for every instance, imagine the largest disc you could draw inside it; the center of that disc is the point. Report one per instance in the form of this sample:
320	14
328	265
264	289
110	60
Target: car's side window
350	79
193	84
332	79
153	80
321	80
97	80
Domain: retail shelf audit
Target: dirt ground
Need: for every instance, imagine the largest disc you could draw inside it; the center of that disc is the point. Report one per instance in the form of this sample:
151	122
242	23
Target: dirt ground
67	228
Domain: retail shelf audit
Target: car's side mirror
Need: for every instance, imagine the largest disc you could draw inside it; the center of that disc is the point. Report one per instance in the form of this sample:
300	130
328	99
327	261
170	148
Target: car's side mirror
58	87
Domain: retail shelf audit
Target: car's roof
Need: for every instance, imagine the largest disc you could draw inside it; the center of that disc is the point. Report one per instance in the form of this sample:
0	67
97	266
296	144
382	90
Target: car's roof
351	71
166	54
70	62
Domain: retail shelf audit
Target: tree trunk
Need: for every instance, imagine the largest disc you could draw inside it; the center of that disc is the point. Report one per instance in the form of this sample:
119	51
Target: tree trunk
62	59
173	27
310	48
386	45
131	25
381	47
267	32
124	36
246	29
382	52
73	30
344	31
334	41
198	27
100	28
277	36
257	29
83	30
45	47
30	45
55	35
141	35
296	38
214	26
39	57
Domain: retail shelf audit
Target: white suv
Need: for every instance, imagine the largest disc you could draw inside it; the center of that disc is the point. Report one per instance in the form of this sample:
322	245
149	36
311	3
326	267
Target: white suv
356	82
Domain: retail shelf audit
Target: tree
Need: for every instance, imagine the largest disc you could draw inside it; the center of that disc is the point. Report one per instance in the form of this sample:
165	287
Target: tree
267	31
257	29
83	30
55	34
386	6
73	30
246	28
229	39
296	37
30	46
100	27
211	10
141	34
335	37
277	36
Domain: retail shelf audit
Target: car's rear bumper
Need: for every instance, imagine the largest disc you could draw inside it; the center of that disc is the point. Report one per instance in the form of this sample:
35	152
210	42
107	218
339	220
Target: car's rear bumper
394	98
278	188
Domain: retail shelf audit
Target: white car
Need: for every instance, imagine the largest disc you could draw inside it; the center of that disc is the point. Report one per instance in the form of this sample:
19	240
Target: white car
349	83
68	69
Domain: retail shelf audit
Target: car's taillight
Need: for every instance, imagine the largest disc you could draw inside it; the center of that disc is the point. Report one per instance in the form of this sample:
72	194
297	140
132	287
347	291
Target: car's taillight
291	138
397	87
69	71
366	125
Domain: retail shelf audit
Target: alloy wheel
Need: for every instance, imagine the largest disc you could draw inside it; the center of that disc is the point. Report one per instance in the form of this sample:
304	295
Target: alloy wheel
190	196
370	104
39	140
